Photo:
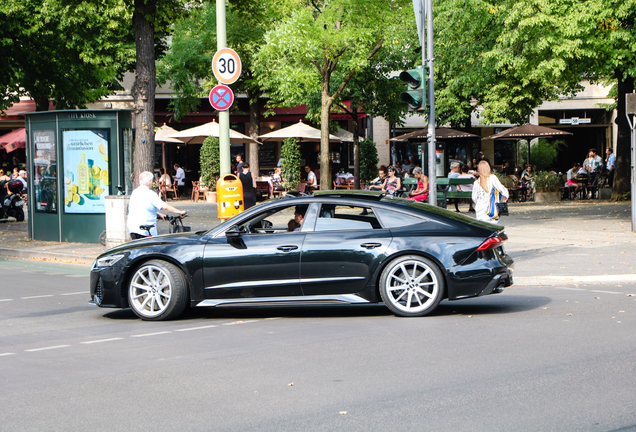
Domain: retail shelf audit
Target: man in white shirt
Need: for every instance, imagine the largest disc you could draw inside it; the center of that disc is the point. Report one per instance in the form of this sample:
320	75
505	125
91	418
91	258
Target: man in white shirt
143	208
179	178
312	181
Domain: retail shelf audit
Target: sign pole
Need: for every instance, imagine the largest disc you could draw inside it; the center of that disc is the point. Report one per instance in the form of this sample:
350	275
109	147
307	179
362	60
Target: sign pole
630	109
224	116
427	5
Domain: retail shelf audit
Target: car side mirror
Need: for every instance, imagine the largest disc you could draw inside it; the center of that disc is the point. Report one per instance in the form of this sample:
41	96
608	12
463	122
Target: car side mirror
235	231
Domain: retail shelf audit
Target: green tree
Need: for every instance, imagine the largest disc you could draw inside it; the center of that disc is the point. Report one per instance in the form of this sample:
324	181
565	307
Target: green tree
322	39
72	54
509	56
210	161
544	153
290	163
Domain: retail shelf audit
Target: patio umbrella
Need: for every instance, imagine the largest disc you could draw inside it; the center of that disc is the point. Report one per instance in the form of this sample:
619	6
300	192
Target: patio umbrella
345	135
198	134
527	131
161	135
300	131
14	140
440	133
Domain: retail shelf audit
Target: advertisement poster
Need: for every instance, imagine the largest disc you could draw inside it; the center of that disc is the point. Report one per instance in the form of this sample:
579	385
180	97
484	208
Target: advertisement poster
85	170
45	171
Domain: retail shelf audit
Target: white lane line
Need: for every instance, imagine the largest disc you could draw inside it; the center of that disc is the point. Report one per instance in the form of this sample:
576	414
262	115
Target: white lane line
606	292
6	354
38	296
1	300
571	289
151	334
47	348
75	293
101	340
239	322
196	328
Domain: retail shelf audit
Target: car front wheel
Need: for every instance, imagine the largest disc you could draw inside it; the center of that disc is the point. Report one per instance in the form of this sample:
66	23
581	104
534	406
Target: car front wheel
158	291
411	286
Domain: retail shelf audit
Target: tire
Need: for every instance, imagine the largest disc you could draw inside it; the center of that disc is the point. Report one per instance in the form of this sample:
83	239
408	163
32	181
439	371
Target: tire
102	238
157	291
19	214
412	286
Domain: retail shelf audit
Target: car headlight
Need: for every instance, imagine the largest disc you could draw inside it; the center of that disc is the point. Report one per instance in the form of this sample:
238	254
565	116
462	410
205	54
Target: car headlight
107	261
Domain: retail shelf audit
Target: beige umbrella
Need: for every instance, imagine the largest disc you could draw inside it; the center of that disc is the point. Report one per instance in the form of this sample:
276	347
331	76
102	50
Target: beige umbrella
300	131
345	135
161	135
198	134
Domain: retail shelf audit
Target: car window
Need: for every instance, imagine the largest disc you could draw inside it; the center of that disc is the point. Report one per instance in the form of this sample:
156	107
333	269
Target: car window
274	221
338	217
394	219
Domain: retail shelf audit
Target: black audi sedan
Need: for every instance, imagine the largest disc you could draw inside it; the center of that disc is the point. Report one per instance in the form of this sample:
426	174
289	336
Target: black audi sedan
345	247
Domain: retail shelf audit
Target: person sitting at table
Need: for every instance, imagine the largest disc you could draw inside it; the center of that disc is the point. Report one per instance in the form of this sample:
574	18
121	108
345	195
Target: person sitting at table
276	181
164	178
421	193
376	184
312	181
527	182
392	183
571	178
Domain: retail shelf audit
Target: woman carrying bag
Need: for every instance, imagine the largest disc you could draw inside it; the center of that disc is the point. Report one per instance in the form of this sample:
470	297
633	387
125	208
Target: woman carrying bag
487	192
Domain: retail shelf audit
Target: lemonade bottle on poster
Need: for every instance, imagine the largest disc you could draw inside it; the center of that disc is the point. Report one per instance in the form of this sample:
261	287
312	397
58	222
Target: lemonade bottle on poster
83	179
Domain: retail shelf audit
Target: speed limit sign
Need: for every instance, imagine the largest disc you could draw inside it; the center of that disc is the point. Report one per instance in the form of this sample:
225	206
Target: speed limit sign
226	65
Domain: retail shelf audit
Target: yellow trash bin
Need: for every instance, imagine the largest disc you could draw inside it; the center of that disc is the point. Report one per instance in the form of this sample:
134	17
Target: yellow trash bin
229	191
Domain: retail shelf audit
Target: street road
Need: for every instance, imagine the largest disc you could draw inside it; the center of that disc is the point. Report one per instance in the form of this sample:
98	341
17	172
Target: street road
552	357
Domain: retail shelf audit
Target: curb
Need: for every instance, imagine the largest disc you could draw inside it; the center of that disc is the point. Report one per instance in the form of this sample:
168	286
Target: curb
46	256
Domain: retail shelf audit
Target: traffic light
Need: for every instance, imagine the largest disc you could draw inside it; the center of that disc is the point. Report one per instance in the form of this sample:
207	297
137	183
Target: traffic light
416	96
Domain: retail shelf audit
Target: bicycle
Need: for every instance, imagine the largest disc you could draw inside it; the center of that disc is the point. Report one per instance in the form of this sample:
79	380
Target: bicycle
176	225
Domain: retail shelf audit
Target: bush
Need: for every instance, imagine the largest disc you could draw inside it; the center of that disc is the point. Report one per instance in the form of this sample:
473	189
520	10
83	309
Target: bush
546	182
210	159
368	160
290	163
544	154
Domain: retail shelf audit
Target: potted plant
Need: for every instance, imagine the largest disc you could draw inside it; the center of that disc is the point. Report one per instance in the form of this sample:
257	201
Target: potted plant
290	164
210	160
547	186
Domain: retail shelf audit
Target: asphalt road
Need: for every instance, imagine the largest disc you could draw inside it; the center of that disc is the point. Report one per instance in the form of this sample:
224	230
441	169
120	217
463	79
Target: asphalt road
554	358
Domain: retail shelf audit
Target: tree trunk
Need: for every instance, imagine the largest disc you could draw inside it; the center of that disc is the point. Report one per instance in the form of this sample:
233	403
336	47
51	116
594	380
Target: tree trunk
254	132
143	89
325	175
622	176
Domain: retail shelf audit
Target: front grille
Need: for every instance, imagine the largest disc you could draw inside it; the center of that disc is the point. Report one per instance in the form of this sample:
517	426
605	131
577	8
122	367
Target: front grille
99	293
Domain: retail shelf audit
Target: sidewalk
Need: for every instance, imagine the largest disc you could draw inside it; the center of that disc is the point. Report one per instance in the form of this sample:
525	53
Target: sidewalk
570	243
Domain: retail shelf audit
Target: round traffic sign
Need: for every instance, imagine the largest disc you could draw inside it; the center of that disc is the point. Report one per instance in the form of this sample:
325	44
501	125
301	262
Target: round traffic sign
226	65
221	97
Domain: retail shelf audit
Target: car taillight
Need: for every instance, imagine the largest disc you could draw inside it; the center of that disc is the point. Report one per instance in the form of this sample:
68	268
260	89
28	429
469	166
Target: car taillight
491	243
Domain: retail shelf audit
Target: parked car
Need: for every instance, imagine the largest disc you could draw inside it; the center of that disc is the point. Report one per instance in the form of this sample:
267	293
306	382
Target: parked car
335	247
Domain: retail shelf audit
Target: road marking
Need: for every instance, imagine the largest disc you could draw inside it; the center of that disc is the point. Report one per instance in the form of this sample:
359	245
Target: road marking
76	275
606	292
1	300
151	334
39	296
571	289
47	348
101	340
74	293
239	322
6	354
577	279
196	328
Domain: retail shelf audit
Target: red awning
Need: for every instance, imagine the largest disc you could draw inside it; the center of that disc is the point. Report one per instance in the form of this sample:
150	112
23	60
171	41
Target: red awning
13	140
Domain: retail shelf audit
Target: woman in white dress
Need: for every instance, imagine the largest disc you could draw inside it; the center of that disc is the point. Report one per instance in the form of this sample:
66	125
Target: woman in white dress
482	189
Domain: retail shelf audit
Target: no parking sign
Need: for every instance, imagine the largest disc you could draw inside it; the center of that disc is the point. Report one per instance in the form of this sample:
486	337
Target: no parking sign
221	98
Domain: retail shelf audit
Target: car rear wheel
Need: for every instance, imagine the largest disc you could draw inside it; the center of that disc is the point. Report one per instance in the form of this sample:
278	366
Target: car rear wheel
411	286
158	291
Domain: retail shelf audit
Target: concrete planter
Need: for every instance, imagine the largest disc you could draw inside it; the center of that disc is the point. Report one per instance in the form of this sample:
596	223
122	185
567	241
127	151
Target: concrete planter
543	197
210	197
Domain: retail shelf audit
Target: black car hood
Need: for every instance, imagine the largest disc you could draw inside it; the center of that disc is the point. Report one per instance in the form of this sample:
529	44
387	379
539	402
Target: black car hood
153	241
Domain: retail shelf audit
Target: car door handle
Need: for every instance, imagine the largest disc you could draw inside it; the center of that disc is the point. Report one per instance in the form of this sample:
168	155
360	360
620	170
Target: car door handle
370	245
287	248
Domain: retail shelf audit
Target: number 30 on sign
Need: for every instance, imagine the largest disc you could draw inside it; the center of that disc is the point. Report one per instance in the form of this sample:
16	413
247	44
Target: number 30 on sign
226	66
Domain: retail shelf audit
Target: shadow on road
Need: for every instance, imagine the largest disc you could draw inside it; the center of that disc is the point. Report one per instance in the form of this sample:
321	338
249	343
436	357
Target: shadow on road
488	305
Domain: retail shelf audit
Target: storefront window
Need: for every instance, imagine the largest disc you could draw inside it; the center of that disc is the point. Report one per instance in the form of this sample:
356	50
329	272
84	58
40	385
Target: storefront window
86	181
45	171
